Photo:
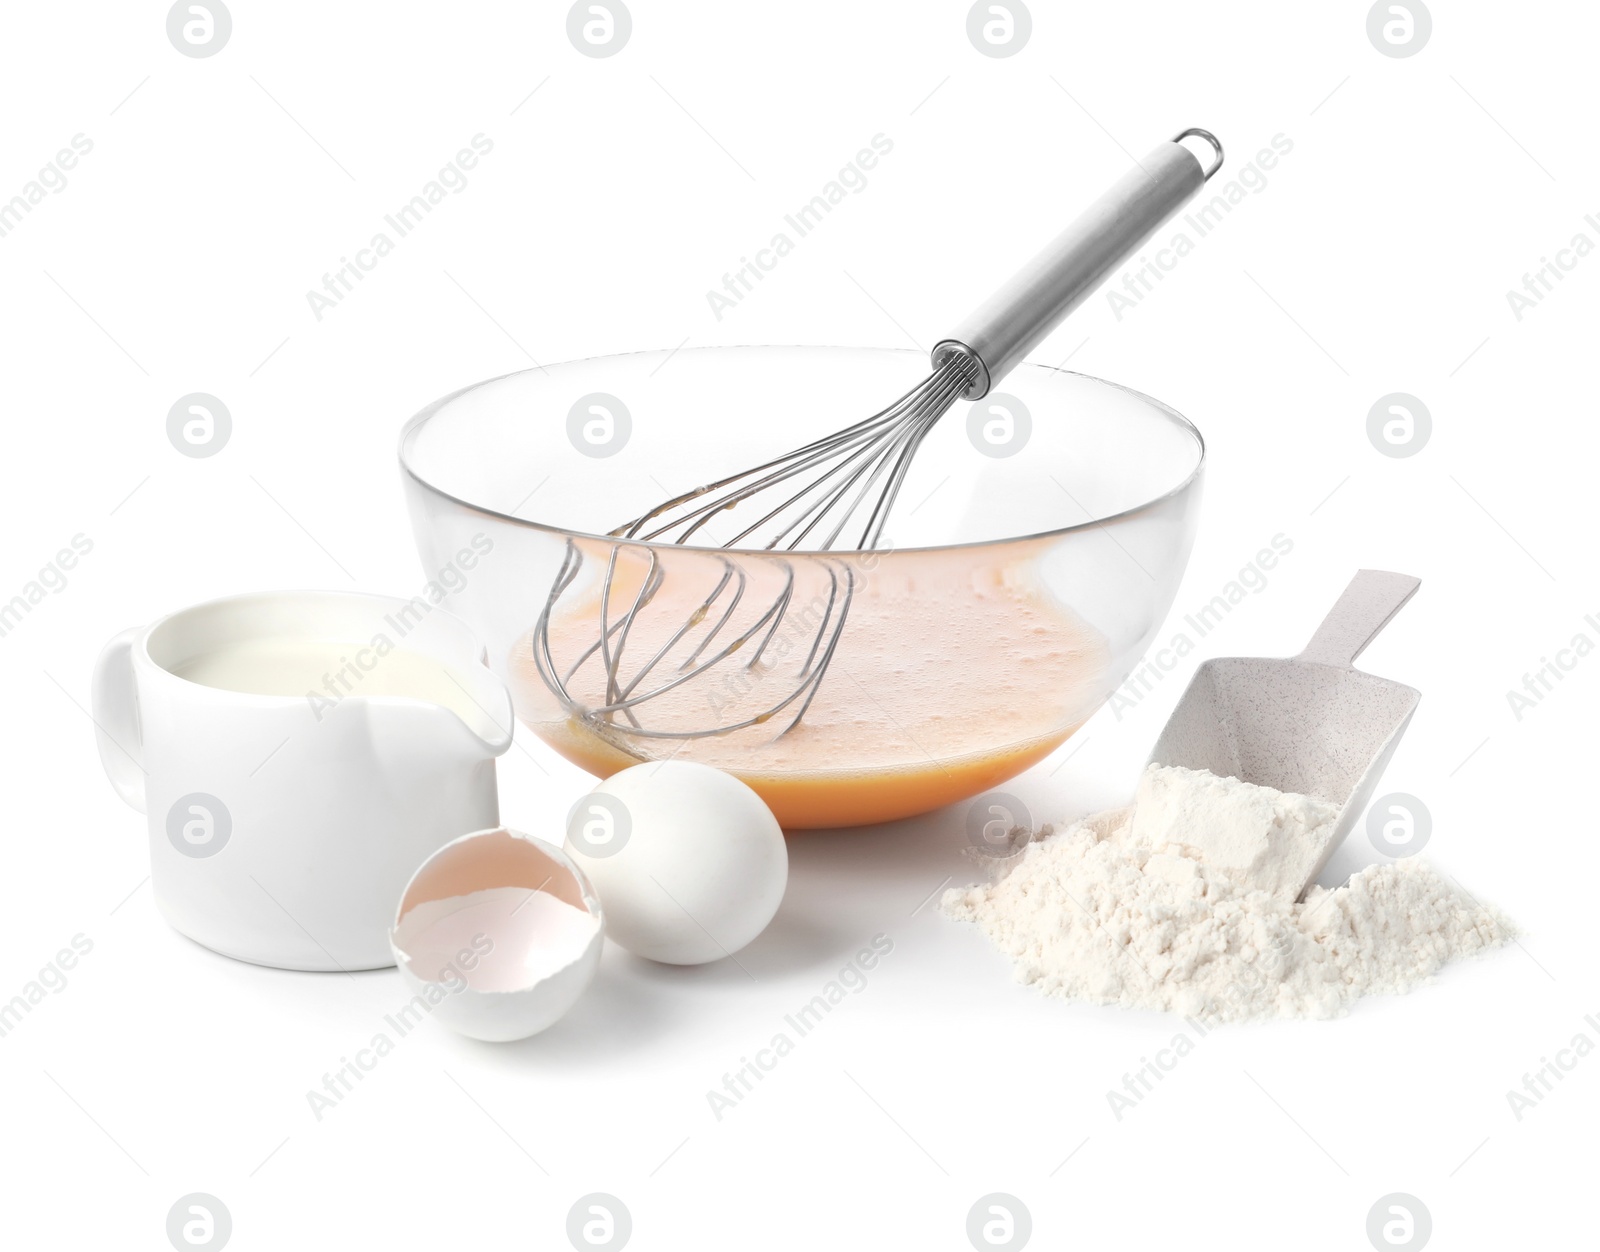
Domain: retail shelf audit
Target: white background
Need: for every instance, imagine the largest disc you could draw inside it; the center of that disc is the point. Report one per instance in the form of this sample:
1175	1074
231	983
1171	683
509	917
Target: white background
1375	260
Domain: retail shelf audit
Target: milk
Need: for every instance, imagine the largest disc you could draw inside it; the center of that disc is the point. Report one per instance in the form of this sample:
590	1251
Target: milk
325	671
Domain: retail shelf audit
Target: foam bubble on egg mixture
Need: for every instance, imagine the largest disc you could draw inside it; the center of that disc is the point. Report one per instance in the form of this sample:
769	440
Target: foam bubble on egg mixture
1187	903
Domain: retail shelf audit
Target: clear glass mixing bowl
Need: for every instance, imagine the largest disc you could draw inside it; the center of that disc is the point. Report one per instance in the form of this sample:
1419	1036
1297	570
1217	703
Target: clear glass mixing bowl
1035	548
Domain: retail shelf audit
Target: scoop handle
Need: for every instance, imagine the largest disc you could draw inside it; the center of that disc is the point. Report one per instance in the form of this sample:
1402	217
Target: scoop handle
1010	324
1371	599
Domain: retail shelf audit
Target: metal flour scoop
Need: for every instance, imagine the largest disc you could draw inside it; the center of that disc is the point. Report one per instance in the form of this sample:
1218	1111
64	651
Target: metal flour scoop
1310	724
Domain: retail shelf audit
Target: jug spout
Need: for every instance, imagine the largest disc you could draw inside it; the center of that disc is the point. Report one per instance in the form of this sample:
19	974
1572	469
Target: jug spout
403	731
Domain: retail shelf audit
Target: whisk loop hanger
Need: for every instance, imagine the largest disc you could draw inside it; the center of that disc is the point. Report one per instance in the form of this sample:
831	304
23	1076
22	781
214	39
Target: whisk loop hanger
810	496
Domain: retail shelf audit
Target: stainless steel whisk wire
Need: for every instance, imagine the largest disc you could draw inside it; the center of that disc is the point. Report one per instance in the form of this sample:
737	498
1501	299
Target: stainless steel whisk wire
884	442
623	697
874	454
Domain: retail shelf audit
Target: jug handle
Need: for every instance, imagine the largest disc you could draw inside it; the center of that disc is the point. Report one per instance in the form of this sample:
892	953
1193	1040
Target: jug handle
114	705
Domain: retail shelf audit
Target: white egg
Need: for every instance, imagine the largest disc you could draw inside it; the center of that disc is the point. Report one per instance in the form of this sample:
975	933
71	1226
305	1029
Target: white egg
689	863
496	936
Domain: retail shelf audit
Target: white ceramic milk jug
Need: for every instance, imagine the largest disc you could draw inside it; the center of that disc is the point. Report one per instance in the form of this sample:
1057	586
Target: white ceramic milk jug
298	755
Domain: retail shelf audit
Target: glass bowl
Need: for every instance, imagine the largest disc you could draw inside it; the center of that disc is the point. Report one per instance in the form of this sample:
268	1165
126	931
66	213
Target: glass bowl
1034	549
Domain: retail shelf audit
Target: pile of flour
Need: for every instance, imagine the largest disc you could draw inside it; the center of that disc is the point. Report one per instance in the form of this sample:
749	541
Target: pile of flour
1257	837
1128	911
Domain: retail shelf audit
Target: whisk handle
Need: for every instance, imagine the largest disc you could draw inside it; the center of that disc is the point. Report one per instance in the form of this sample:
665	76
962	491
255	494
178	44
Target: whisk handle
1010	324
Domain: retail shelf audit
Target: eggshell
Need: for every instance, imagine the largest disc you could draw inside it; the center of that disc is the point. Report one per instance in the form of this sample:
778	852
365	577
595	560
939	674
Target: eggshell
514	971
689	862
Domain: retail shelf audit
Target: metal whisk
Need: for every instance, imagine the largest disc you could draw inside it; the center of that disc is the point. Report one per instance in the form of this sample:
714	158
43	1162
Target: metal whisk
809	496
866	463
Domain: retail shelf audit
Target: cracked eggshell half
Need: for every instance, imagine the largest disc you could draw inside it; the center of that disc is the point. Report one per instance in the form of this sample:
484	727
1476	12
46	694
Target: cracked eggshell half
498	933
